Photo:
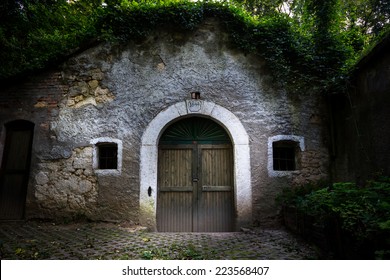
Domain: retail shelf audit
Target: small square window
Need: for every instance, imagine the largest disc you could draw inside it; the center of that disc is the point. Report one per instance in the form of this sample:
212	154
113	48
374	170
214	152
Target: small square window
284	155
108	155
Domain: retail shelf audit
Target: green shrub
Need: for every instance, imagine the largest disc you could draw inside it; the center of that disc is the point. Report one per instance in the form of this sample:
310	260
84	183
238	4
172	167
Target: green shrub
363	212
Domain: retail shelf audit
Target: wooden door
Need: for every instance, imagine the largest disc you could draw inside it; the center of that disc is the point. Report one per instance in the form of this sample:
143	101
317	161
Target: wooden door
216	190
15	169
175	189
195	182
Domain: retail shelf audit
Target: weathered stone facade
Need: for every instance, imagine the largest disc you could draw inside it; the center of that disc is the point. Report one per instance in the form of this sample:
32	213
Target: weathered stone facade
67	185
117	91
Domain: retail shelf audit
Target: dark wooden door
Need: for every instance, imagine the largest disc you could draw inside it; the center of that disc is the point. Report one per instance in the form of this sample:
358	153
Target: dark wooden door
215	203
15	169
175	189
195	182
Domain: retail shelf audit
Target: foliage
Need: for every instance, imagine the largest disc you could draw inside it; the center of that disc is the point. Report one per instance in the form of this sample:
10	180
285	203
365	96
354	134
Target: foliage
368	17
363	212
305	42
35	33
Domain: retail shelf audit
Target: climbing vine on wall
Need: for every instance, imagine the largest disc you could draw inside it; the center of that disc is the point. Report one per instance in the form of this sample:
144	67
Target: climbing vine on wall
311	54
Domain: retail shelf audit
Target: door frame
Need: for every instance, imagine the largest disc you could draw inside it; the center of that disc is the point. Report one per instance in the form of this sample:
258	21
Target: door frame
241	156
10	127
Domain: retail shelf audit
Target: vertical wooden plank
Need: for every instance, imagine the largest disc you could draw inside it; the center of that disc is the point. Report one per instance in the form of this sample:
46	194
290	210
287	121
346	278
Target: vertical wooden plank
175	167
12	197
217	211
175	212
18	150
216	203
15	165
175	196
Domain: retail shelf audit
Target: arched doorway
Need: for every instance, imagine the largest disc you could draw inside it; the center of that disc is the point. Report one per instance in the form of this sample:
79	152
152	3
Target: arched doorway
149	159
195	177
15	169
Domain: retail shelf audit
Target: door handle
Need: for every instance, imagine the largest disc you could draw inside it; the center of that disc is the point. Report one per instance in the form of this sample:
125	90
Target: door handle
195	180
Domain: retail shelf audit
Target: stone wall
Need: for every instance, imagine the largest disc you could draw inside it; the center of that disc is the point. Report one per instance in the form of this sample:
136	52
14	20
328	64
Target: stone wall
84	90
67	186
115	91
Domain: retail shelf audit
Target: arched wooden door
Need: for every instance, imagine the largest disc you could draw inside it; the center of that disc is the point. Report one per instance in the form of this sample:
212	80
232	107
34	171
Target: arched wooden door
195	178
15	168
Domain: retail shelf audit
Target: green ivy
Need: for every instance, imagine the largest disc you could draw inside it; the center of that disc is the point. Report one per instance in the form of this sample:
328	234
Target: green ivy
47	33
291	54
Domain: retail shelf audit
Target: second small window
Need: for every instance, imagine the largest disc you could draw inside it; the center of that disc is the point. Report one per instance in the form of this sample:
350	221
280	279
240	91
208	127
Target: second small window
284	155
108	155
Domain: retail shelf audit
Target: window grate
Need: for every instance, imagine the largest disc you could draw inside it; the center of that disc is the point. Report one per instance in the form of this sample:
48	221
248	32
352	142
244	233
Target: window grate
108	156
284	156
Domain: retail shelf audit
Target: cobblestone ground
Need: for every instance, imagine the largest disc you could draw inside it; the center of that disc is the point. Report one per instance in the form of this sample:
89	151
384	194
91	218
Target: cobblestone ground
38	240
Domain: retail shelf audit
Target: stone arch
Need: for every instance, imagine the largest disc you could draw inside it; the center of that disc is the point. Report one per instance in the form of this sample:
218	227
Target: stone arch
149	157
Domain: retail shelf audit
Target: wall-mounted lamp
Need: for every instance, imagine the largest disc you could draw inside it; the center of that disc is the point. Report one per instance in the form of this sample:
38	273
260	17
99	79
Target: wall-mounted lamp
195	95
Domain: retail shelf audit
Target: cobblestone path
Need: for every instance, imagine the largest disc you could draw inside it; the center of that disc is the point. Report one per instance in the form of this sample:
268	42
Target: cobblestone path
38	240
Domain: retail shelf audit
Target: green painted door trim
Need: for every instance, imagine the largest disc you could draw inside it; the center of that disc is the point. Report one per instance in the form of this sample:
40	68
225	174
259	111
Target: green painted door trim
194	130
